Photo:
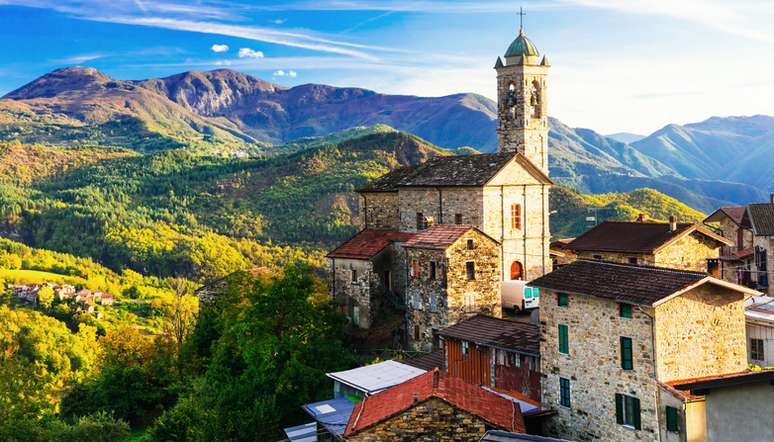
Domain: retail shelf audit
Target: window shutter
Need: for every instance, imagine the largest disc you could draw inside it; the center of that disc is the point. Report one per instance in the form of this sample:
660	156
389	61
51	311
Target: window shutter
627	362
636	408
672	419
564	344
619	409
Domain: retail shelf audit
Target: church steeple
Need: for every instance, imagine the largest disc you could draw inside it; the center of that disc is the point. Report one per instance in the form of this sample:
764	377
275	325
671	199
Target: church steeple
522	82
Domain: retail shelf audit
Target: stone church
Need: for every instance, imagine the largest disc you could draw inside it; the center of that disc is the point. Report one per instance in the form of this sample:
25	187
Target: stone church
440	237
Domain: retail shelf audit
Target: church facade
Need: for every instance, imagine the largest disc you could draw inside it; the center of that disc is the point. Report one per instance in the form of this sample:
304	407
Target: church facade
502	196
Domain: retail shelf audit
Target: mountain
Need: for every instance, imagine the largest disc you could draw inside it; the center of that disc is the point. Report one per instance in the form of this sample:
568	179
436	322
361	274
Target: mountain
625	137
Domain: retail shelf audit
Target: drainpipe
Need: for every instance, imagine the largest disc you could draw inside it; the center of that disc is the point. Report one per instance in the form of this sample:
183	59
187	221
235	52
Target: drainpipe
655	371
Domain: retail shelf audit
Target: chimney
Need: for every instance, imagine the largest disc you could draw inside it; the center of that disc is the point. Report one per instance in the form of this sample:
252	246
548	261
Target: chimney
640	218
772	198
672	223
436	374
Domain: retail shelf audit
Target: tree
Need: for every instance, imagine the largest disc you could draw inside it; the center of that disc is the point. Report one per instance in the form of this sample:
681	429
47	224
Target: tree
45	297
180	320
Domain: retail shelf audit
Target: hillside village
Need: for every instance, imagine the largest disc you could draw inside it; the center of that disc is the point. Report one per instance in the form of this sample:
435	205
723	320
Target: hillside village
636	330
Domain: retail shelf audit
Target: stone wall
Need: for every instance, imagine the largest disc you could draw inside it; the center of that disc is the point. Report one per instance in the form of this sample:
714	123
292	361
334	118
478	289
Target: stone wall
593	367
429	420
349	294
766	243
690	252
700	333
380	210
426	303
442	204
642	258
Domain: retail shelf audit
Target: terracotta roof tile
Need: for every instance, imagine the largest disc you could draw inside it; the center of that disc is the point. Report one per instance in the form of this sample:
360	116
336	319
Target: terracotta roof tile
496	410
496	332
367	243
439	237
634	284
635	237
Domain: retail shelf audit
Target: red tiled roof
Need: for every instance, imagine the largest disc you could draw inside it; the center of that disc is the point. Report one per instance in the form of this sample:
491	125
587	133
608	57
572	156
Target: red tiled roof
439	237
496	410
636	237
368	243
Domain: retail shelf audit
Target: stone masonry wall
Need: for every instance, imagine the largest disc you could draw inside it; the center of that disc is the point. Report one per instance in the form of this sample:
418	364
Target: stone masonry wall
623	258
766	243
430	420
426	303
380	209
442	204
348	293
689	253
700	333
593	367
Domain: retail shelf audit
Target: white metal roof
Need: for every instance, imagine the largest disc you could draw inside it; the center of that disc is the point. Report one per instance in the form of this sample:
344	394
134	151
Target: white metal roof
760	309
376	377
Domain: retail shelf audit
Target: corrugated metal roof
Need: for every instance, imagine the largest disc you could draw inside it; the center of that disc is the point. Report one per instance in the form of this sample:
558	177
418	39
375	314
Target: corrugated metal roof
302	433
332	414
376	377
760	308
496	332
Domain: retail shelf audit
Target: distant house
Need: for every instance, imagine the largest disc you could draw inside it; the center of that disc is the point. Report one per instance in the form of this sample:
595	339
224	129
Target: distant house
759	317
615	338
760	219
736	260
560	254
739	405
433	406
454	273
673	245
494	352
106	299
26	293
64	291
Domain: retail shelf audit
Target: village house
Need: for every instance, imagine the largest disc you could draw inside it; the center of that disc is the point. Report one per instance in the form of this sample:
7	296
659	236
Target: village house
760	219
494	352
739	406
454	273
674	245
360	382
735	260
432	406
615	338
502	197
28	293
759	317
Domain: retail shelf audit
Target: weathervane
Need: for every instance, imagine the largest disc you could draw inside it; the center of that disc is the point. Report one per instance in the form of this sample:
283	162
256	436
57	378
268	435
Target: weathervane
521	19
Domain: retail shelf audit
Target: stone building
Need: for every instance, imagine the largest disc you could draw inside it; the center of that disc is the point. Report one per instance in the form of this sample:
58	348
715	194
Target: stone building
454	273
759	218
367	271
432	406
674	245
617	337
735	260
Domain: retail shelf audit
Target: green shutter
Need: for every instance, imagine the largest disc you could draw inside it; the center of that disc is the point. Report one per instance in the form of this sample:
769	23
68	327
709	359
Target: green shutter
627	362
564	344
636	408
626	311
619	409
563	299
672	422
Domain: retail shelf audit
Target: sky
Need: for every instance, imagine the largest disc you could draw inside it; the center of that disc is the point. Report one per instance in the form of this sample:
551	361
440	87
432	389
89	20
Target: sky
617	65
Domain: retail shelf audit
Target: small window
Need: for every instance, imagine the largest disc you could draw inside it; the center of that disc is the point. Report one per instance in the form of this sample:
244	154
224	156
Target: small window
420	221
627	411
433	302
564	392
625	310
354	275
356	315
470	301
416	332
633	260
598	257
432	270
469	244
517	360
516	216
562	299
672	420
627	360
464	346
564	339
470	269
458	218
756	350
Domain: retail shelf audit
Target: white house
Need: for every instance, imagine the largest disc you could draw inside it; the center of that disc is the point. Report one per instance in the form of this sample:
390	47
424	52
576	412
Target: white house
759	318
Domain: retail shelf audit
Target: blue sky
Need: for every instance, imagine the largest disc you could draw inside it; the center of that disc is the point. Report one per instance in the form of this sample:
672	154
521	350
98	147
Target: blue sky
618	65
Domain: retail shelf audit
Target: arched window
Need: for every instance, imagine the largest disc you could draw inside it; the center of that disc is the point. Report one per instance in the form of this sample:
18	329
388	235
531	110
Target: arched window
511	101
516	271
536	100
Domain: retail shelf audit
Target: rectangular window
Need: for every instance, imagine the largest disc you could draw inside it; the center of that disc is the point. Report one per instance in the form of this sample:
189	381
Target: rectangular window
457	218
470	269
564	392
562	299
416	332
627	411
420	221
354	275
627	361
432	270
672	419
598	257
516	216
564	339
517	360
356	315
756	350
469	244
433	302
470	301
464	347
415	268
633	260
625	310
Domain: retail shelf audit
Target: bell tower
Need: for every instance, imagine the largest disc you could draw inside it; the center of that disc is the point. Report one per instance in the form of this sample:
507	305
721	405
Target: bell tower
522	86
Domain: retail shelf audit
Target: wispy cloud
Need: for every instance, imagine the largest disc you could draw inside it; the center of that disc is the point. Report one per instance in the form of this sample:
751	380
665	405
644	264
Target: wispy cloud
219	48
279	21
80	58
284	73
249	53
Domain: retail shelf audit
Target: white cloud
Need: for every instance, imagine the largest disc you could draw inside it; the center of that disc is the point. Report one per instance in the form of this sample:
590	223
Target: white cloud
279	21
223	63
283	73
219	48
250	53
78	59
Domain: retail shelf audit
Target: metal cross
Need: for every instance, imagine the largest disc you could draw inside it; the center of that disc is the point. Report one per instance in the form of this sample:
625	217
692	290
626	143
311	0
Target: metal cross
521	19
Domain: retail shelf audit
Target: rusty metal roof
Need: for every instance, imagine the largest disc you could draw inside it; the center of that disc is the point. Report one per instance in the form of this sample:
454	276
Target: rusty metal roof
485	330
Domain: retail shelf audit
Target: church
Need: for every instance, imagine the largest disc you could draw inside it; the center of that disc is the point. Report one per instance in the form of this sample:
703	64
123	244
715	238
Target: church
439	238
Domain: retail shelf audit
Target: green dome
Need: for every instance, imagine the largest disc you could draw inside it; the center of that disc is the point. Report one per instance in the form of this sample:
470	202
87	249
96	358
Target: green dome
521	46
